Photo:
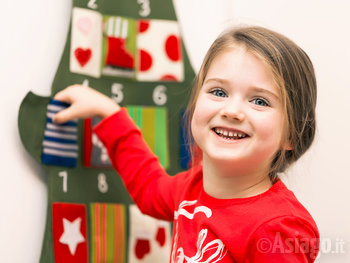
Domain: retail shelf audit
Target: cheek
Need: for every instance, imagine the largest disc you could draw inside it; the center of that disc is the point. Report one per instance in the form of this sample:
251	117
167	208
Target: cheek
196	123
271	130
200	119
205	109
199	115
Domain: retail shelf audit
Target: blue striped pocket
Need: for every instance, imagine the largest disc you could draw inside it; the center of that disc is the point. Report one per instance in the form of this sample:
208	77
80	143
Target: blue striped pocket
60	144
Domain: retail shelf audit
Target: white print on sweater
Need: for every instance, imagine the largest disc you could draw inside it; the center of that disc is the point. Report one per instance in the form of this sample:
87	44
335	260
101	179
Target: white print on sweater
184	212
203	251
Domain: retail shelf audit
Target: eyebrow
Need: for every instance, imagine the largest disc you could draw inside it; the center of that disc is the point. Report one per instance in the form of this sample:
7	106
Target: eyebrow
262	90
255	88
215	80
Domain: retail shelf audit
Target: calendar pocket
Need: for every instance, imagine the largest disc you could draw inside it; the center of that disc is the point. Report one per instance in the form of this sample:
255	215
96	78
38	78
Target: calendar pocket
60	144
86	42
159	51
119	46
108	232
69	227
149	239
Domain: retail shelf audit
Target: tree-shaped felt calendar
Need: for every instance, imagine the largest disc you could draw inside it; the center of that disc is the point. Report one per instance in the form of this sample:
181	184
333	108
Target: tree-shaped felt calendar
130	50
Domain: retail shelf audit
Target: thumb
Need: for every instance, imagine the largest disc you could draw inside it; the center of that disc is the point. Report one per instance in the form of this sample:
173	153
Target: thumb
66	115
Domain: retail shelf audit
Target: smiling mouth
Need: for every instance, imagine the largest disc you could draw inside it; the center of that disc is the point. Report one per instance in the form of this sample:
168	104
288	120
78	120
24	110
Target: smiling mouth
230	134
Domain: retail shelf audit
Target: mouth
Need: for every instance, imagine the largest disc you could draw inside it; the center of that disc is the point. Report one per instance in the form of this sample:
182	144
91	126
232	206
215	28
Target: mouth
230	134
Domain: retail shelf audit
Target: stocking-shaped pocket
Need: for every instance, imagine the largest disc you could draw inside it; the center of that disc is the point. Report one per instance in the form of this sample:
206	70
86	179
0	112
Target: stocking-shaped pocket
119	46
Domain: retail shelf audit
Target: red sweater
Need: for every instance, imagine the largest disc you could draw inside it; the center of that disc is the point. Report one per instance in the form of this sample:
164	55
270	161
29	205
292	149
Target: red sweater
270	227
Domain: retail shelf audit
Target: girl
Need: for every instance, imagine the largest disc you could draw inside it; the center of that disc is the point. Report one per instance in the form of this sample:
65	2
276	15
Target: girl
251	114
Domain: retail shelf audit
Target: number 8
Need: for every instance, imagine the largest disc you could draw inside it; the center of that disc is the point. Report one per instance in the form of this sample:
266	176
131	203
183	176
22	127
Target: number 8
102	183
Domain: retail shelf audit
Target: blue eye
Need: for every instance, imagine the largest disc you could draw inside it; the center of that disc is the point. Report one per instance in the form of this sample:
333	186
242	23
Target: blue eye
218	92
260	102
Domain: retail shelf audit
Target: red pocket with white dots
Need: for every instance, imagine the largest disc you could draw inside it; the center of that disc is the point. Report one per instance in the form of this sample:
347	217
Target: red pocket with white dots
159	51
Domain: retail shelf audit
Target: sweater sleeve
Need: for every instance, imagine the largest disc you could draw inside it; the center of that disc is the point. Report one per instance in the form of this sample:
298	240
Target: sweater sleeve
147	182
286	239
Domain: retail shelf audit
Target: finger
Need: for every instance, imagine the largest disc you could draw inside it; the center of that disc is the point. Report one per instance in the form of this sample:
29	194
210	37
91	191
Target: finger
66	94
66	115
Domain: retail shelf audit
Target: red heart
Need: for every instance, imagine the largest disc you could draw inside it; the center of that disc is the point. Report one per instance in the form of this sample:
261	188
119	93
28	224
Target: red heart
142	248
83	55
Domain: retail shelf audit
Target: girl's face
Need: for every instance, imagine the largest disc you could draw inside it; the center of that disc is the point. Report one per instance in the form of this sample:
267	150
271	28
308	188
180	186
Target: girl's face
238	116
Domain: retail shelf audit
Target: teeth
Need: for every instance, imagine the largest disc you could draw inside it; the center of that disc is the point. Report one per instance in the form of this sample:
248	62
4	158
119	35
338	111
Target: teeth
230	134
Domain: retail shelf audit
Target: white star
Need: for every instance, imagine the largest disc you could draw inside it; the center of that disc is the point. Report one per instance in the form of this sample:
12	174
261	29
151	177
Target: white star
71	234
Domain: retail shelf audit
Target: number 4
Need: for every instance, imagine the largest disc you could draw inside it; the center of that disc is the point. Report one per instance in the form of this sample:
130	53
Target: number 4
92	4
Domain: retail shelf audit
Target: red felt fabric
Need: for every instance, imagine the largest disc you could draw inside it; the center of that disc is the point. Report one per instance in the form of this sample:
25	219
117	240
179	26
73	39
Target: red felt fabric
160	236
70	212
83	55
117	54
142	248
87	142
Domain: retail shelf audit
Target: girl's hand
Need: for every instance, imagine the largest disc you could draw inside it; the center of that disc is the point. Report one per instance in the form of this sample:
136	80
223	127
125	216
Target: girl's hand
85	103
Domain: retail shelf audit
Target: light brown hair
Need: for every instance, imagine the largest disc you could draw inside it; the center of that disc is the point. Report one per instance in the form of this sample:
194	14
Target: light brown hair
294	76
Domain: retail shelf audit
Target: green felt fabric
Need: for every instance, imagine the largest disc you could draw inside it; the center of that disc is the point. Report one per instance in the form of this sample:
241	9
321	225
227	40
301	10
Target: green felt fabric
80	184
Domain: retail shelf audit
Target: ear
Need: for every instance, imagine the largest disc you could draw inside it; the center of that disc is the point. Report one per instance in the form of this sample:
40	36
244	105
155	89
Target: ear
287	146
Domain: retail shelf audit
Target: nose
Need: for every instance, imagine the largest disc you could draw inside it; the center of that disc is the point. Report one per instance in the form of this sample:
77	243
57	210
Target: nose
234	110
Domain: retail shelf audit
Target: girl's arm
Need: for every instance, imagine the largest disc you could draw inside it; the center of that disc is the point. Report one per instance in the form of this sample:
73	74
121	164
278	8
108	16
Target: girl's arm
146	180
85	103
149	185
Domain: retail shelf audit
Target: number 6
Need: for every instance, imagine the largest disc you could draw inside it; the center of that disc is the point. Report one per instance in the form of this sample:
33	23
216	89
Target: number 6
159	95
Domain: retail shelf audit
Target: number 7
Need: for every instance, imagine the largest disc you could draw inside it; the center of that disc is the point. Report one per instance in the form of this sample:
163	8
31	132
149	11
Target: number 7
64	175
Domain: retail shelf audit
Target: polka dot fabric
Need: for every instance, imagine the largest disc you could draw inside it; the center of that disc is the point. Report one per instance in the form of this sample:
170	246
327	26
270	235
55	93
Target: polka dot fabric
159	51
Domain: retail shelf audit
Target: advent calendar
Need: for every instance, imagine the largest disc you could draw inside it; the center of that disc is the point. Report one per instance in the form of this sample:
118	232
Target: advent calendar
132	51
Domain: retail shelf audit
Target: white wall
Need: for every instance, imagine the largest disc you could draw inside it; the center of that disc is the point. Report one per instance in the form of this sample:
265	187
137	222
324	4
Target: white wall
33	34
